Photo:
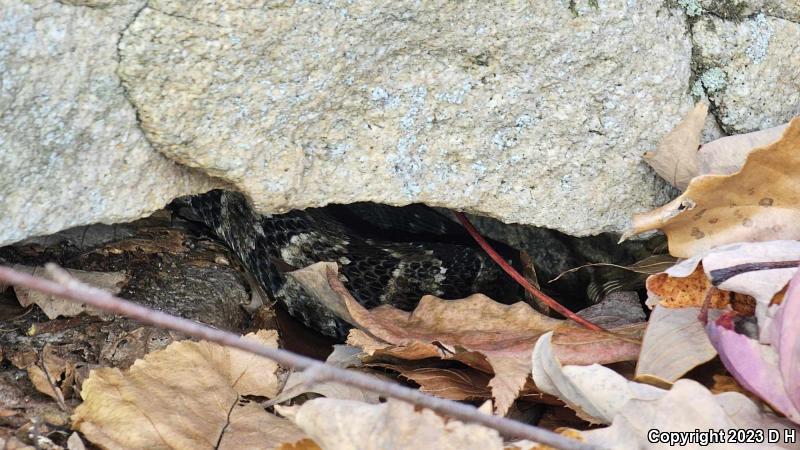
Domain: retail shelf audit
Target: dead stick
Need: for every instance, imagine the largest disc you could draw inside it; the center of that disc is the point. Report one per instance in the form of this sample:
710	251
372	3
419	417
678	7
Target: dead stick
71	289
546	299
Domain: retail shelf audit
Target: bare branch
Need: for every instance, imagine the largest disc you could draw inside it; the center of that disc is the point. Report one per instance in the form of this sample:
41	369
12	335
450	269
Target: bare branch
69	288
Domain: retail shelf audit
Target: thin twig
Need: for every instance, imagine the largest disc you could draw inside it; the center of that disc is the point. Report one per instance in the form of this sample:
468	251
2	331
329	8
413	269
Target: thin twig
69	288
719	276
546	299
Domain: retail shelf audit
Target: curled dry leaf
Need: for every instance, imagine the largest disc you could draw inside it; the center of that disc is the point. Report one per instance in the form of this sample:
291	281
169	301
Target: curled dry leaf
594	392
770	371
755	271
343	356
674	343
346	424
453	383
684	292
727	155
675	159
185	396
53	306
476	331
601	395
758	203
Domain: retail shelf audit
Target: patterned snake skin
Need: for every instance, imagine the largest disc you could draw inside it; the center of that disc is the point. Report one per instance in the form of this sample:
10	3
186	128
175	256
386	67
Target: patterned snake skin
386	255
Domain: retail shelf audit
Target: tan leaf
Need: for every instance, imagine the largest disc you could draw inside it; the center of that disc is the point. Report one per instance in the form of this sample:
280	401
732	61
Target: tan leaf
675	159
343	356
601	395
453	383
758	203
476	331
54	306
504	334
727	155
185	396
580	346
674	343
693	407
346	424
594	392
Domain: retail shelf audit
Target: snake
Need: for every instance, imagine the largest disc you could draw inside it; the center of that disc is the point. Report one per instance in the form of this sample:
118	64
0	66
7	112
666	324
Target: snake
386	255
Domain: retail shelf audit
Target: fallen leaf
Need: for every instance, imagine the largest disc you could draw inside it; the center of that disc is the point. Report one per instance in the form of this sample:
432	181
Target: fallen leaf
478	332
452	383
502	334
46	376
615	310
770	371
343	356
675	159
580	346
727	155
594	392
74	442
686	407
674	343
684	292
185	396
347	424
601	395
746	269
54	306
758	203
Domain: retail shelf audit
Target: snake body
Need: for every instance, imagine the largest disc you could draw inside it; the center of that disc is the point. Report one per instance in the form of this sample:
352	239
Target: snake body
386	255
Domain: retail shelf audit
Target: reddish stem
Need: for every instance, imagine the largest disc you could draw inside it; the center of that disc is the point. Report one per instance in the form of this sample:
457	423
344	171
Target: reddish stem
546	299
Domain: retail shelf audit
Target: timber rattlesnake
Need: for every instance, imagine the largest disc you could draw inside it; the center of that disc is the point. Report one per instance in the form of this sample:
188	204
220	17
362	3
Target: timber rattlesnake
386	255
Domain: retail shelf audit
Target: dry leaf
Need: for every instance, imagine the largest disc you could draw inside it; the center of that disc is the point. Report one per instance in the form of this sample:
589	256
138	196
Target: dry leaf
686	407
594	392
758	203
675	159
185	396
343	356
577	345
615	310
601	395
727	155
770	371
54	306
46	376
453	383
764	286
346	424
684	292
476	331
674	343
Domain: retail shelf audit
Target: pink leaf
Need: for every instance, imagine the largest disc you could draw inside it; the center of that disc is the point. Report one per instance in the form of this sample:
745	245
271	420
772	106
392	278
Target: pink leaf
785	337
770	371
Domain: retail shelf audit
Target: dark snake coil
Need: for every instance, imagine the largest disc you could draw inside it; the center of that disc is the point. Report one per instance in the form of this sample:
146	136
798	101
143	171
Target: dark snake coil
386	255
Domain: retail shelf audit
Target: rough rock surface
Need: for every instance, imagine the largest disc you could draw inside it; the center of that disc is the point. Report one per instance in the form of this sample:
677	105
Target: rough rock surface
749	70
529	112
519	111
71	151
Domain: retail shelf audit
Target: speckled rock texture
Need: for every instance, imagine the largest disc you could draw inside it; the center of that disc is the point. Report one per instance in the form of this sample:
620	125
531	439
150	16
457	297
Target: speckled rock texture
71	151
750	70
528	112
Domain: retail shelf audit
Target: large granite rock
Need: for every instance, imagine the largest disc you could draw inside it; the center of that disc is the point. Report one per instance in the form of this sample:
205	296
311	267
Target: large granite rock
71	150
529	112
749	70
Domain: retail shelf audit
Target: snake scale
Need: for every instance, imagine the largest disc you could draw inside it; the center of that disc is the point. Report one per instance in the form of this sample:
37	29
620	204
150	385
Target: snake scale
386	255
